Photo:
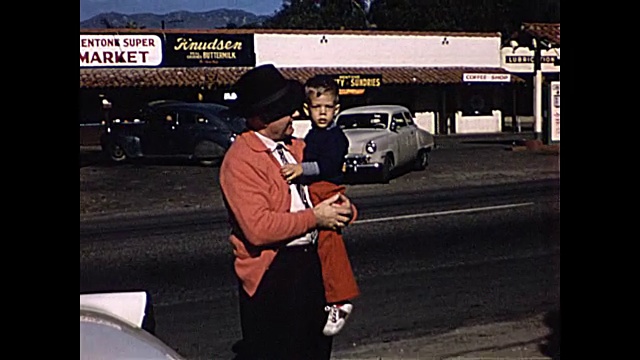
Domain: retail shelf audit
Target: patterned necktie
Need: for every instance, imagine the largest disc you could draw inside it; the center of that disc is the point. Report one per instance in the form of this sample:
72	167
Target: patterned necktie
303	196
280	151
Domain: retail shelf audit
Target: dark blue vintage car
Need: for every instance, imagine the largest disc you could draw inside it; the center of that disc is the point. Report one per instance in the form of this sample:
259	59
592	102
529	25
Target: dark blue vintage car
197	131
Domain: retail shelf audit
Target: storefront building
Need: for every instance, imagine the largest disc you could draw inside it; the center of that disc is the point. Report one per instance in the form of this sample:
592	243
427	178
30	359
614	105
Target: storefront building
536	50
453	82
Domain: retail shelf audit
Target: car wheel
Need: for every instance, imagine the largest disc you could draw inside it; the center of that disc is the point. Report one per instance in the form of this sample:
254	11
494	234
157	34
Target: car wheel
387	167
116	152
208	153
210	162
422	160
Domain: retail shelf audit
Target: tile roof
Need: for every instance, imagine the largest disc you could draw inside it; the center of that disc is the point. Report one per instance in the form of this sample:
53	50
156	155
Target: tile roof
550	31
210	77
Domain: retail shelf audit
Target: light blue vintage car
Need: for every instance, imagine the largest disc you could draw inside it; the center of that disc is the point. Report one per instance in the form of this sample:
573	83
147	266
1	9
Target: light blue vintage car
383	137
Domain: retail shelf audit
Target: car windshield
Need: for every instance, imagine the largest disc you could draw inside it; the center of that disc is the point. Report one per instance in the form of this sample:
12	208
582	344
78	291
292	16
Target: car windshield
363	121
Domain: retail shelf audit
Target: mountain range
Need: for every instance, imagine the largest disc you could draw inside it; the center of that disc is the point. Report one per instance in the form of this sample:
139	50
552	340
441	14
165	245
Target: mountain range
219	18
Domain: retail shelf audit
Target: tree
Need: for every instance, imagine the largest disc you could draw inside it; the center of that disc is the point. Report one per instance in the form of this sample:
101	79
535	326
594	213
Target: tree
504	16
319	14
133	25
129	25
106	23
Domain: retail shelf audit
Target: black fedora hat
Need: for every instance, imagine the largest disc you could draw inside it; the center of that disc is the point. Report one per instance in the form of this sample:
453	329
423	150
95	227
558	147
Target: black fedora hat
264	91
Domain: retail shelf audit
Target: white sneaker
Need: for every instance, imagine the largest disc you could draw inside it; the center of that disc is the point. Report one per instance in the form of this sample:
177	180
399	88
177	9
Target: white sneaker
338	315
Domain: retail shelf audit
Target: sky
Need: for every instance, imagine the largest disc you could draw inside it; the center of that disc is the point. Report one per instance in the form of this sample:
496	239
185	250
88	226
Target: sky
91	8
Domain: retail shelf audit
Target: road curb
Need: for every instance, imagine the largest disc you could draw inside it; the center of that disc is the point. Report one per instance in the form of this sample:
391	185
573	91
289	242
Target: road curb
536	146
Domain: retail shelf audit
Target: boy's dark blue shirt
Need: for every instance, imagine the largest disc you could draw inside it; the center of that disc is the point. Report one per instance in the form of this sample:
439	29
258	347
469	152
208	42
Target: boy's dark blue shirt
326	147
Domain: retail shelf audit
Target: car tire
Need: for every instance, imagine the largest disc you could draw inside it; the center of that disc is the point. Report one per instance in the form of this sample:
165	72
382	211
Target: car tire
116	152
422	160
208	153
387	168
210	162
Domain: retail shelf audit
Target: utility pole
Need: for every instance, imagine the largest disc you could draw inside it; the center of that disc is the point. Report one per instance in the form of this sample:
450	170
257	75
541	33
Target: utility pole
537	90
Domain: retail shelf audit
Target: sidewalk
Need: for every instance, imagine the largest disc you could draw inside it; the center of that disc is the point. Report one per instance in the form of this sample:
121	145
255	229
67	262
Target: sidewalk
512	141
506	138
530	338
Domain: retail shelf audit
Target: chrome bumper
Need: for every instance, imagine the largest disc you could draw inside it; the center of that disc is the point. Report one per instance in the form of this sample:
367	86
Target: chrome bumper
360	164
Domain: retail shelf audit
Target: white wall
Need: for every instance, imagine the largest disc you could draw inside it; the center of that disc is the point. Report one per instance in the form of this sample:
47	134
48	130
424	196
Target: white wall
426	121
301	128
478	124
307	50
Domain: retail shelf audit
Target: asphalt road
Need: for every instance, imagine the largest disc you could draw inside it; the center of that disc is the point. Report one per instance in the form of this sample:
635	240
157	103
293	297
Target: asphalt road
473	240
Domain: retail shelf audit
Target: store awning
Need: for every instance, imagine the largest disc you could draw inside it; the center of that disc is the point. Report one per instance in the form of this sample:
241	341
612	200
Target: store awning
211	77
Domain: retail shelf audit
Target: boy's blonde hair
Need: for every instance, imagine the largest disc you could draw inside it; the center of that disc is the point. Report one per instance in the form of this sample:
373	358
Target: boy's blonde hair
321	84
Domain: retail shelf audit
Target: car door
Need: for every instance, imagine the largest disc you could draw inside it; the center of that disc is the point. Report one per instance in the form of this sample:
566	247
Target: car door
402	141
156	139
187	130
412	141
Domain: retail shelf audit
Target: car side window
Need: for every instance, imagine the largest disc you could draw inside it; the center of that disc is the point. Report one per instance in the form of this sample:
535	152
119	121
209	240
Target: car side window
162	118
399	119
192	118
408	118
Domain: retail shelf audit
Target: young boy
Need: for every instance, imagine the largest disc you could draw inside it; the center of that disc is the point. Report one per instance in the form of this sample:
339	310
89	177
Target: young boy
325	148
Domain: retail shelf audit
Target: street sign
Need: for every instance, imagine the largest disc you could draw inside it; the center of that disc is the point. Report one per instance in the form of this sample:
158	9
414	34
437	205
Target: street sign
555	111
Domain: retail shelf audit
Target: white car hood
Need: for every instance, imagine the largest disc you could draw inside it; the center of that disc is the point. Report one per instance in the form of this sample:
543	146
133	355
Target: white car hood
358	138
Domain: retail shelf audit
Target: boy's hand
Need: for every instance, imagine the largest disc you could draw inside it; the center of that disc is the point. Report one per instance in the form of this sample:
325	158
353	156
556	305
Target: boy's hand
291	171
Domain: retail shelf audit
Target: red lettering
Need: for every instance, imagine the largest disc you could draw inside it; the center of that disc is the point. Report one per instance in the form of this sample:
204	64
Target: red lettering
96	58
138	42
114	57
120	57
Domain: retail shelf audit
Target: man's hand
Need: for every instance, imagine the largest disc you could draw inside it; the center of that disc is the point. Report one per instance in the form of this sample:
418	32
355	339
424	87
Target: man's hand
333	213
291	171
344	202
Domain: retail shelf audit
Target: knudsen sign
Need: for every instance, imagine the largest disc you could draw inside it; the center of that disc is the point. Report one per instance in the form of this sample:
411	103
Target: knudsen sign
209	50
120	50
471	77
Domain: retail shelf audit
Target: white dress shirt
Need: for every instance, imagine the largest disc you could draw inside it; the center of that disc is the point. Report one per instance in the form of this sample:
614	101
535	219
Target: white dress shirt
296	201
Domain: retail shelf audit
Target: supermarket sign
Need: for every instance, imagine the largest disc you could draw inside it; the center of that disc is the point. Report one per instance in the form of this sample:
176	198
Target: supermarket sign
120	50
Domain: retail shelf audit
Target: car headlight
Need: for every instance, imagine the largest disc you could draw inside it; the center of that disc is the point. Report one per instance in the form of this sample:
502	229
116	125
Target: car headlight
371	147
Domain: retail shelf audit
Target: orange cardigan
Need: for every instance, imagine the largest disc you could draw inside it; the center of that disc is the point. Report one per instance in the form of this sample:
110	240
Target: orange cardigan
258	200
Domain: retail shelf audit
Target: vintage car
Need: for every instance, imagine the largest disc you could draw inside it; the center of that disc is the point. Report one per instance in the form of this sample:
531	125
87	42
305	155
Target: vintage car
166	128
381	138
112	326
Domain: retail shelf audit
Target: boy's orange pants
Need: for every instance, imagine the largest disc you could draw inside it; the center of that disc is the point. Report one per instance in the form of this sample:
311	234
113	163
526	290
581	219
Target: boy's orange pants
339	281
